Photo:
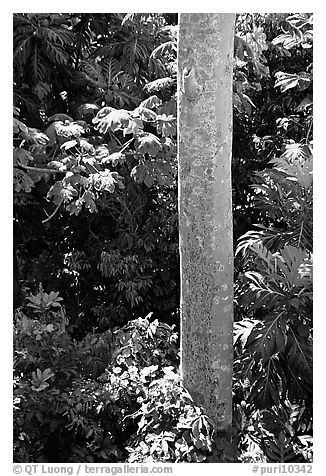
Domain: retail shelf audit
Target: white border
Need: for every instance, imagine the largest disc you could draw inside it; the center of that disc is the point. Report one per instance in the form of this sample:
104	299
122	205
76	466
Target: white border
319	11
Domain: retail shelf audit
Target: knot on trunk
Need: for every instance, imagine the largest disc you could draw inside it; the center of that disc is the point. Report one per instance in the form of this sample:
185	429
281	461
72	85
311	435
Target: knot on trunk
191	89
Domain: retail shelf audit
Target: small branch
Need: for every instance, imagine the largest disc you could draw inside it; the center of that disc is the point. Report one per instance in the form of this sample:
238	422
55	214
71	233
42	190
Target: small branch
123	203
126	145
309	129
55	211
301	231
92	165
38	169
113	137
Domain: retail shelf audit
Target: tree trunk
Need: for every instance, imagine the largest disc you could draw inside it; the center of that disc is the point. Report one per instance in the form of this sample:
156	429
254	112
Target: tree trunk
205	210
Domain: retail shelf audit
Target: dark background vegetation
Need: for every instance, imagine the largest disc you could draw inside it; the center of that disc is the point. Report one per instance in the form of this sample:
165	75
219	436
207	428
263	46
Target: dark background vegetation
96	260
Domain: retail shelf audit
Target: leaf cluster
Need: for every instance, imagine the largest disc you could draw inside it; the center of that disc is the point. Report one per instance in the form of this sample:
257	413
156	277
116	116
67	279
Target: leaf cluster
99	177
273	328
111	397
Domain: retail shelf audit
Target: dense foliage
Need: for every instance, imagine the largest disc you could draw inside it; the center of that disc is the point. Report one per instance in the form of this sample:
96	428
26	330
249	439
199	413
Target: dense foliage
95	208
273	332
112	397
96	228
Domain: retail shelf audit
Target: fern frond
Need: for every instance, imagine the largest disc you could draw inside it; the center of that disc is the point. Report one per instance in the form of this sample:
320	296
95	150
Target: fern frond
297	151
299	349
21	20
62	35
56	53
158	84
276	238
54	35
135	54
263	293
242	330
280	449
129	17
270	238
111	67
291	259
28	98
264	254
297	389
22	51
35	67
161	50
267	337
297	362
296	162
109	50
300	236
42	89
93	73
265	390
156	67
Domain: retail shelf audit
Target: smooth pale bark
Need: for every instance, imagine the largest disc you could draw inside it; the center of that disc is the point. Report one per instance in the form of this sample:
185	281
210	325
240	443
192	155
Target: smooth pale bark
205	210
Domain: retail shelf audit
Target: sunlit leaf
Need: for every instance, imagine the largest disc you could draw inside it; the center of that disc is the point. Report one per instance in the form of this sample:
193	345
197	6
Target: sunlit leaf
148	144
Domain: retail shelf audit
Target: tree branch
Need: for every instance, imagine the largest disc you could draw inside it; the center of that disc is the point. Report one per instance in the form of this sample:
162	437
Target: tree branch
38	169
52	214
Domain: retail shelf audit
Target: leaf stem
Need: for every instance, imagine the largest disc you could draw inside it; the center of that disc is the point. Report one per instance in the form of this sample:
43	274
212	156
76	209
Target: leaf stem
38	169
52	214
126	145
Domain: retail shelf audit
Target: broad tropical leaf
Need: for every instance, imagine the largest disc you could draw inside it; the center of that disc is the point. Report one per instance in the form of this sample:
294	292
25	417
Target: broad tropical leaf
268	337
158	84
148	144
